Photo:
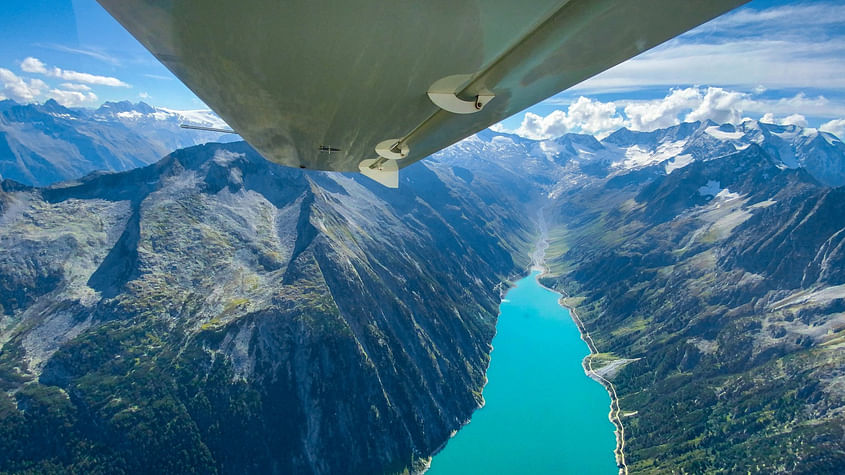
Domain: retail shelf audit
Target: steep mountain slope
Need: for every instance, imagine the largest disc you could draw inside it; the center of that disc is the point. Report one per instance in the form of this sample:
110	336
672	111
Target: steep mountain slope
719	288
45	144
216	312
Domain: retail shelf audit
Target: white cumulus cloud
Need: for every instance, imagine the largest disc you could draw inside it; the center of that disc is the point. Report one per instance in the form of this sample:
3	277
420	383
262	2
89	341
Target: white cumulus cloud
75	87
87	78
689	104
72	98
650	115
584	115
538	127
34	65
720	106
593	117
792	119
835	127
19	89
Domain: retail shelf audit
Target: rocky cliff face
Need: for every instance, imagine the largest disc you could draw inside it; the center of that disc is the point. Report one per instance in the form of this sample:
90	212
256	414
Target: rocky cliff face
216	312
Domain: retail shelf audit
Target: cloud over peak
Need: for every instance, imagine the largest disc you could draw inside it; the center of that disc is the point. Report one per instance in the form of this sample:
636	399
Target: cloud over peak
72	98
679	105
835	127
584	115
793	119
19	89
664	113
25	90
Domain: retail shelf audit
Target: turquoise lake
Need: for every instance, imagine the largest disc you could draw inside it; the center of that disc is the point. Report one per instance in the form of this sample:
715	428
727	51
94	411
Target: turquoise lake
542	414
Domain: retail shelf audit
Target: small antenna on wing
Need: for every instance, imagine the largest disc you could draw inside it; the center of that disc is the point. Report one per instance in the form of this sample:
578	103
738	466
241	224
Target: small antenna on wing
327	149
208	129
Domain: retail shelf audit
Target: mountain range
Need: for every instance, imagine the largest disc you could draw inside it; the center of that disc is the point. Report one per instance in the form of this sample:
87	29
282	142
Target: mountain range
216	312
709	271
46	143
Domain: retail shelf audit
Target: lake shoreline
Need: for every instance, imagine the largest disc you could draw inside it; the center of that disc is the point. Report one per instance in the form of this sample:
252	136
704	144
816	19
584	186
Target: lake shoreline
614	415
615	412
424	464
553	299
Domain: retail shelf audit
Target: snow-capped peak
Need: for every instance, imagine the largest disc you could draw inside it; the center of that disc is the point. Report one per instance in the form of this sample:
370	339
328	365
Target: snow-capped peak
203	117
126	111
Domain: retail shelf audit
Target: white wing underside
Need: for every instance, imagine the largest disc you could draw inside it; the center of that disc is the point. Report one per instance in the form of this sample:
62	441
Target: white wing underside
320	84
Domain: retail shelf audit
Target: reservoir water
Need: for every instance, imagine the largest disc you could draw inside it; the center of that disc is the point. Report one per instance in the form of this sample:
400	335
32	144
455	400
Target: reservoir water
542	414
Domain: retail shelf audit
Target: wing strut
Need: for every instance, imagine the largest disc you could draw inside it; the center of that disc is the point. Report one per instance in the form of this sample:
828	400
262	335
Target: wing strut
208	129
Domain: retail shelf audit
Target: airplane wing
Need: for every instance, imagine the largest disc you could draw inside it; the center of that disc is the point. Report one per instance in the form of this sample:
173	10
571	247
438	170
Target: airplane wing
374	86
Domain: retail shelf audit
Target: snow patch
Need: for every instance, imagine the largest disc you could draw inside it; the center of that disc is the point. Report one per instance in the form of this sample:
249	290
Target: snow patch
130	115
727	223
726	195
550	148
787	135
203	117
763	204
225	157
721	134
668	150
678	162
500	140
637	157
809	132
830	138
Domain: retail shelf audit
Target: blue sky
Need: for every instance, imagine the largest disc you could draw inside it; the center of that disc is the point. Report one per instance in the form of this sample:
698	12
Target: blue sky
782	61
79	36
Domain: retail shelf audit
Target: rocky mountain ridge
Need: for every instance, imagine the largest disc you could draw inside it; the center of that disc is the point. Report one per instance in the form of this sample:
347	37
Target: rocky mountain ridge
47	143
271	312
657	152
719	286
